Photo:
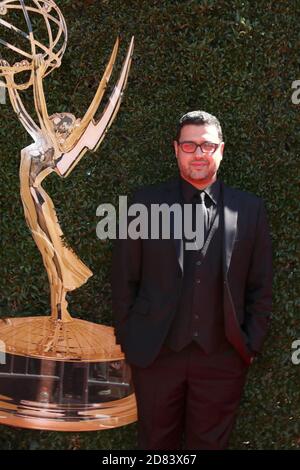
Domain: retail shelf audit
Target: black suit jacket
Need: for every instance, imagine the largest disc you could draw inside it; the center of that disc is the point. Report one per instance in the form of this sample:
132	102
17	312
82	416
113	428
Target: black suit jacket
147	277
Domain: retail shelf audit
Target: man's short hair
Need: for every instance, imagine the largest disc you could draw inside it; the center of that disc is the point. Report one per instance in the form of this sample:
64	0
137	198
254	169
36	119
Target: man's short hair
199	118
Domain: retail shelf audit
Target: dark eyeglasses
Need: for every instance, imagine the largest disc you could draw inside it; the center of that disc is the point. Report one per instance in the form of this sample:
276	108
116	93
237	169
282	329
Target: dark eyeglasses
191	147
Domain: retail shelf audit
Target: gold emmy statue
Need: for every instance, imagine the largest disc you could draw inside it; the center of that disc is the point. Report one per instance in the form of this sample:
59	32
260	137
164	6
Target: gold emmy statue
60	373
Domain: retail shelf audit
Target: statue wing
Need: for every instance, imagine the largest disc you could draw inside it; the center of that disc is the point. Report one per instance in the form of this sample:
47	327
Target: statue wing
89	135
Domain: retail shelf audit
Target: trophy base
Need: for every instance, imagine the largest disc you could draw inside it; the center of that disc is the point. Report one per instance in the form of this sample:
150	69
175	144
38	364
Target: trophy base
45	338
62	377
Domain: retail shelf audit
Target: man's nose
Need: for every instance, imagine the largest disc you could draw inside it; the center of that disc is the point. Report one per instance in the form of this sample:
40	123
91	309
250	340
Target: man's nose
198	152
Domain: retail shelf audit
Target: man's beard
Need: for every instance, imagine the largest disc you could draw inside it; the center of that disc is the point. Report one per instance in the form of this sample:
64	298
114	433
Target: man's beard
205	173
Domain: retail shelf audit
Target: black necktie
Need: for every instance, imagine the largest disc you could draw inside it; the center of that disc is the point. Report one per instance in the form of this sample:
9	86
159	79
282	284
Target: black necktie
199	198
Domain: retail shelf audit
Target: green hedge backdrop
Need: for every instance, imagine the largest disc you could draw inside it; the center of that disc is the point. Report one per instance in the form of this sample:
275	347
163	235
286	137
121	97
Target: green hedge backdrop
235	59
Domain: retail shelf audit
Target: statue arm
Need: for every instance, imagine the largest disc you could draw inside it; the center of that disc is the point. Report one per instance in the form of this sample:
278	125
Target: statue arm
40	102
23	116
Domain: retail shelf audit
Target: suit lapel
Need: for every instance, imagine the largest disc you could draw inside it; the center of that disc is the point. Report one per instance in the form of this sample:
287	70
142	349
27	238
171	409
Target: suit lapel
173	196
230	205
179	252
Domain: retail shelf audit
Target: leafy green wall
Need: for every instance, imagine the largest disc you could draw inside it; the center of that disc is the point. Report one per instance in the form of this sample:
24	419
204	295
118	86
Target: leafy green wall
236	59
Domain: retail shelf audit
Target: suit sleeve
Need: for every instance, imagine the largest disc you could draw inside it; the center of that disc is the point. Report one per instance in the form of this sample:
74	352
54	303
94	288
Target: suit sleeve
125	279
259	284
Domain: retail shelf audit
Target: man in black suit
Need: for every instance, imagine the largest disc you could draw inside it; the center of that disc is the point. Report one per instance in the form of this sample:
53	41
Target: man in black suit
190	321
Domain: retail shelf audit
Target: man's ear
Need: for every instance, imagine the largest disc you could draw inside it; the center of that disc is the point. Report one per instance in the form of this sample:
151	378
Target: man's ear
175	143
222	148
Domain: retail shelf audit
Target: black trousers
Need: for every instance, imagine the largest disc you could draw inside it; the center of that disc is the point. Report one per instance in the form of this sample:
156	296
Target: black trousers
187	399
